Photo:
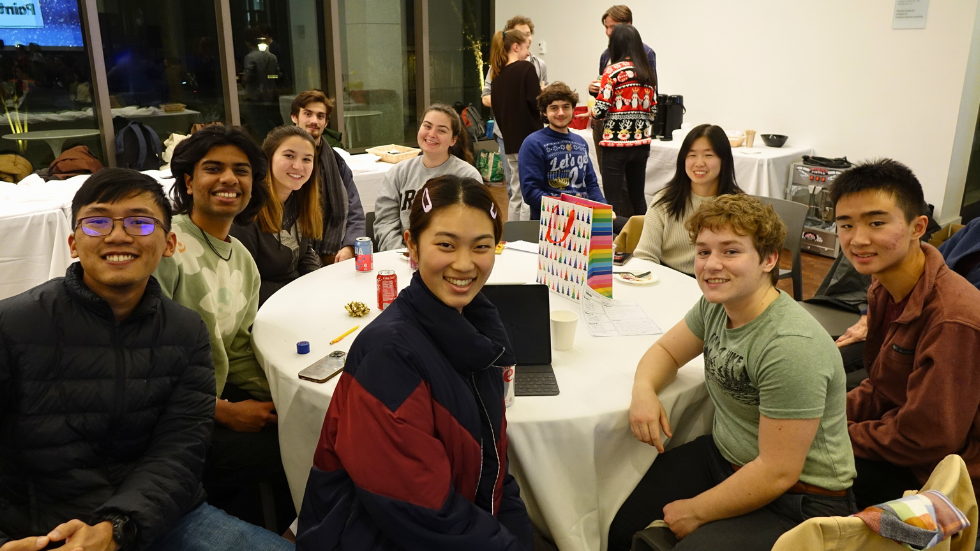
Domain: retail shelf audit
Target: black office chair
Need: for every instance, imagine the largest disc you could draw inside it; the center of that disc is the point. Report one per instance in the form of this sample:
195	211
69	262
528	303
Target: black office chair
369	227
793	215
522	230
655	538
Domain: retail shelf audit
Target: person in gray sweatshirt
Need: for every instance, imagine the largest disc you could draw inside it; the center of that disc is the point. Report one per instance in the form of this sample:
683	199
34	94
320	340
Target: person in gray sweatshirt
445	150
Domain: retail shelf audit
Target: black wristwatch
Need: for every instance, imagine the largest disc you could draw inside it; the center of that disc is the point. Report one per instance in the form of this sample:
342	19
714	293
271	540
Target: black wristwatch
123	529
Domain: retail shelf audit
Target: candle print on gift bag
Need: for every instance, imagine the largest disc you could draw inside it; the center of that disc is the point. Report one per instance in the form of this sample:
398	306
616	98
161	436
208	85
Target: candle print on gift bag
575	246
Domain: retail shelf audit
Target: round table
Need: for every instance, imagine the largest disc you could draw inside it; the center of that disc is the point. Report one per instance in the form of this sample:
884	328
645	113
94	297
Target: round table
55	138
572	454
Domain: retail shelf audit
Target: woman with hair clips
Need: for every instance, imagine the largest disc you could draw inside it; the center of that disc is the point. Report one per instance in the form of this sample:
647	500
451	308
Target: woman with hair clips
281	238
626	104
413	451
445	150
705	169
514	91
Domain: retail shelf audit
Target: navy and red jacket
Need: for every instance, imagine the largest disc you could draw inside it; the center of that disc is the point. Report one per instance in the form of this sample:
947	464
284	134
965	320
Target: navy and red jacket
413	450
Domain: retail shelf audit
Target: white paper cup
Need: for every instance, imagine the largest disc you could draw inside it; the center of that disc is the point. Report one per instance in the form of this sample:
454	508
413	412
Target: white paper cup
563	324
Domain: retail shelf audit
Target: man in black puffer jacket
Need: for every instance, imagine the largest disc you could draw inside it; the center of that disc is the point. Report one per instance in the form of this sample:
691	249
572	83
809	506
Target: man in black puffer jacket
107	393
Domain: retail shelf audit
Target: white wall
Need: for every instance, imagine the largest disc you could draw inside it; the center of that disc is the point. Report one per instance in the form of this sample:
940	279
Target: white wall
831	74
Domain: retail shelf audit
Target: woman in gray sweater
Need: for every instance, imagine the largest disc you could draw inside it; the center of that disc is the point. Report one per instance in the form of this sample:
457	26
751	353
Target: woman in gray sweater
445	150
705	169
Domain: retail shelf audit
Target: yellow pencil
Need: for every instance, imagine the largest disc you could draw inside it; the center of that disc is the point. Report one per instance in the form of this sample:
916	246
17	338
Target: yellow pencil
348	332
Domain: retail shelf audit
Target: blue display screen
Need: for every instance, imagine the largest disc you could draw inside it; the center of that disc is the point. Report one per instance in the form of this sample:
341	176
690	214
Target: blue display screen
51	23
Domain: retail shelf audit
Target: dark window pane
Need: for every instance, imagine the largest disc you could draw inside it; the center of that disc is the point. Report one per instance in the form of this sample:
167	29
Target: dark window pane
161	55
46	84
377	42
459	52
279	52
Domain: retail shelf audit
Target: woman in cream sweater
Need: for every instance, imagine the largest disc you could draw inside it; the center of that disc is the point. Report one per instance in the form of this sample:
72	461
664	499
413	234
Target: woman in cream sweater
705	169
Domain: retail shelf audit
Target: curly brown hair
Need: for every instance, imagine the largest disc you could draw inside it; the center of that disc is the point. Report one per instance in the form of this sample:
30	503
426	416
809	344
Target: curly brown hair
519	20
745	215
556	91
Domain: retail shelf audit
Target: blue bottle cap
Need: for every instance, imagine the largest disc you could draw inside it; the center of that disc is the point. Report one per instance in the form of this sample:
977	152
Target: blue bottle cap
303	347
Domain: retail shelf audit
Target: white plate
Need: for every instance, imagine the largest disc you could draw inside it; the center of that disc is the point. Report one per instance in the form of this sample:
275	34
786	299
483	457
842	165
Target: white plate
646	280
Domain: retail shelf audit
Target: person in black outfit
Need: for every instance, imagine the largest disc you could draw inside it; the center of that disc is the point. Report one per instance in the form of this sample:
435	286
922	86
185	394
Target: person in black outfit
107	393
281	238
514	95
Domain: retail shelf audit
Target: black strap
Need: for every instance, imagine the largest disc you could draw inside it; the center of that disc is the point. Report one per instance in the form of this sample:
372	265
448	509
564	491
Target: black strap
839	162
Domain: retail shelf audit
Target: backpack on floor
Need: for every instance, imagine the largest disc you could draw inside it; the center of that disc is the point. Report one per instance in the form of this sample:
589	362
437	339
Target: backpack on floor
138	147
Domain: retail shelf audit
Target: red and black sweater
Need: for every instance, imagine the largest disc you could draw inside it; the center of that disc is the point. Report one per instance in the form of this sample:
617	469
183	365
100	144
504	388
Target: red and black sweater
413	451
625	107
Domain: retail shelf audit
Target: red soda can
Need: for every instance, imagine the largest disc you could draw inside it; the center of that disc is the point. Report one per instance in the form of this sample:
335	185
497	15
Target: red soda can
387	288
363	257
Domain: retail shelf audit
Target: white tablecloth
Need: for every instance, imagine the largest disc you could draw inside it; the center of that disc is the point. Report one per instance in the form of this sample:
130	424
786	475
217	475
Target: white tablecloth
35	220
572	454
369	172
759	170
33	239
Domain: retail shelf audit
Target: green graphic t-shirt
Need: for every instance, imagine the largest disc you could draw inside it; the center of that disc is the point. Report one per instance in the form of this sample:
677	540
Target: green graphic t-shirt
225	294
783	365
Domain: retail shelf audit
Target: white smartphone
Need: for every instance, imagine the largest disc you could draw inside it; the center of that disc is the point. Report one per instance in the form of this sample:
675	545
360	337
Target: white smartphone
325	368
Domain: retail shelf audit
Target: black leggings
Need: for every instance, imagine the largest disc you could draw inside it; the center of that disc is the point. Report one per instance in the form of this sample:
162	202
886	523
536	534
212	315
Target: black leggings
694	468
625	168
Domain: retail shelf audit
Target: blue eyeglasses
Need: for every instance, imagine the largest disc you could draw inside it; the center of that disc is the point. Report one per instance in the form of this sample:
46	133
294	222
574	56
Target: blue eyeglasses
136	226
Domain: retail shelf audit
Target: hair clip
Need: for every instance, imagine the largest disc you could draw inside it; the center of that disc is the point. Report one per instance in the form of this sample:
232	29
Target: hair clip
505	34
493	211
426	200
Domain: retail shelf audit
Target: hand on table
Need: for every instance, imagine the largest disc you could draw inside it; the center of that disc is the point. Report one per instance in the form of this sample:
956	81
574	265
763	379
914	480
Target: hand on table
647	417
855	333
681	517
346	253
245	416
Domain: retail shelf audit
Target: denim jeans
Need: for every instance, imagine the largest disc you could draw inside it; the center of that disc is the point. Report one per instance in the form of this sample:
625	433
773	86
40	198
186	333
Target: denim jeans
503	162
209	529
517	209
696	467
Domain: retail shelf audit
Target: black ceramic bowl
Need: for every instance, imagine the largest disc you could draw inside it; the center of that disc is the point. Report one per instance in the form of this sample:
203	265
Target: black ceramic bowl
774	140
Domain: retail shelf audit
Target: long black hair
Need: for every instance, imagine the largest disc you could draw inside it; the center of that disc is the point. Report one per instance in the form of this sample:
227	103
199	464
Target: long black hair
625	42
193	149
678	190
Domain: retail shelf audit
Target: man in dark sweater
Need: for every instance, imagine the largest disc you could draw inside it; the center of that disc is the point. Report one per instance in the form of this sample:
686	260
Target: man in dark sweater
922	395
553	160
107	393
343	214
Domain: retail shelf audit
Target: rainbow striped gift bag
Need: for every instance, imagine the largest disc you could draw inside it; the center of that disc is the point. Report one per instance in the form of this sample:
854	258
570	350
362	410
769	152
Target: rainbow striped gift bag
575	246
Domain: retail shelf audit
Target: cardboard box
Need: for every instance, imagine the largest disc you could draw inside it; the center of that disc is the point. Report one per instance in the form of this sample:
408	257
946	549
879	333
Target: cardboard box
942	235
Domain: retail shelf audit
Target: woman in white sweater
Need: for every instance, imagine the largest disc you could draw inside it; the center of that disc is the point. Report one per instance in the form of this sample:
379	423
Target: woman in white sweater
445	150
705	169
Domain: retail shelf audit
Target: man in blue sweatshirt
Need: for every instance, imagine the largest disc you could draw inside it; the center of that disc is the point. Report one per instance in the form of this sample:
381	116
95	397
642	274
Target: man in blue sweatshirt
553	160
